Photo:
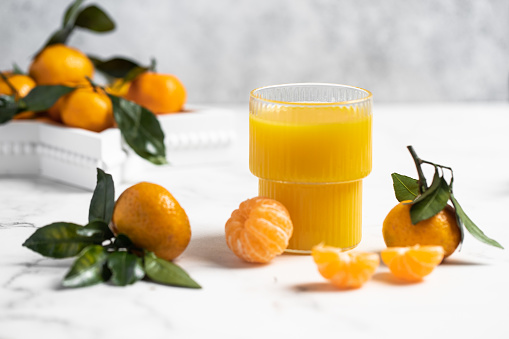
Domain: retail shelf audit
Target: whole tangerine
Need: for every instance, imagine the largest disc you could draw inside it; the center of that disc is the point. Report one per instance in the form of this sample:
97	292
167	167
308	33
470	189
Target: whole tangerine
153	220
61	65
159	93
23	84
439	230
87	108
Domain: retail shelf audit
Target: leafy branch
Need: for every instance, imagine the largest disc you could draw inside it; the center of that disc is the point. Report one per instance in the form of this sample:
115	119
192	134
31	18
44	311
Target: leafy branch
39	99
102	256
139	126
91	18
121	68
428	201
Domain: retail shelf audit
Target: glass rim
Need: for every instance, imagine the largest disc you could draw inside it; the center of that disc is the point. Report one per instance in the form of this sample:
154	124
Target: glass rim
369	96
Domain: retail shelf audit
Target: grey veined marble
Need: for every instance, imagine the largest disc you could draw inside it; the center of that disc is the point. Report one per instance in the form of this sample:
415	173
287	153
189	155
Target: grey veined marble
436	50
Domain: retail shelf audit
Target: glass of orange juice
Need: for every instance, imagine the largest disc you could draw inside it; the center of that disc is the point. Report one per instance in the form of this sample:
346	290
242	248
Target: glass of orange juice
310	147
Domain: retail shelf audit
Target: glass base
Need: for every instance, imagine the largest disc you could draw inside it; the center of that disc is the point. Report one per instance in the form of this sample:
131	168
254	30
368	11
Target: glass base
321	213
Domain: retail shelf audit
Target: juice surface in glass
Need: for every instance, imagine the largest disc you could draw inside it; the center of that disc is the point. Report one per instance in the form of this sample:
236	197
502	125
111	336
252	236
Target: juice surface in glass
312	157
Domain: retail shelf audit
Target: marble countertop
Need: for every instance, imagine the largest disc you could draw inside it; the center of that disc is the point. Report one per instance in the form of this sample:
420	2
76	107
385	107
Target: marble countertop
467	296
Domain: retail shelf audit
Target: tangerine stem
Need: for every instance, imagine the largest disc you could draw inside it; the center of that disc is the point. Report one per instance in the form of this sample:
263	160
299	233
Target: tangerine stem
94	86
153	64
442	168
423	186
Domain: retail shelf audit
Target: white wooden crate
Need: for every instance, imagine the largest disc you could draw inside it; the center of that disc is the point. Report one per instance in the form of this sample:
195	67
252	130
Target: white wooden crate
71	155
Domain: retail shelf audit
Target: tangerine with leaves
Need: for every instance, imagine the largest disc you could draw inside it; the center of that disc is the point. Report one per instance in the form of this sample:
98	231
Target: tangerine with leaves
439	230
423	215
87	108
414	262
159	93
59	64
259	230
345	269
152	219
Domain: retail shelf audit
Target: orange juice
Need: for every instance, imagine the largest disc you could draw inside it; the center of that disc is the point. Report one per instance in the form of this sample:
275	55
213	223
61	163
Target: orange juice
329	213
312	158
336	147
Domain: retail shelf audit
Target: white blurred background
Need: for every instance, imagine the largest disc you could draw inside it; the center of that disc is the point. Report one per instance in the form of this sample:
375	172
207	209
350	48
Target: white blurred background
403	51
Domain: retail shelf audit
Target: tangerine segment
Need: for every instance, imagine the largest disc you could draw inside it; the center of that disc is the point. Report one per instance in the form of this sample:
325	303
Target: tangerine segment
345	269
412	263
259	230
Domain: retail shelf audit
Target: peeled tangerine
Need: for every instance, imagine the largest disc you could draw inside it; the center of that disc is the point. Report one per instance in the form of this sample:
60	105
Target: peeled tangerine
259	230
345	269
414	262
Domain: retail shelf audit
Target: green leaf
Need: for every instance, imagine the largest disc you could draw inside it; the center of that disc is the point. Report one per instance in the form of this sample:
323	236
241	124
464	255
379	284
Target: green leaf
432	201
58	37
17	70
134	73
116	67
91	17
405	188
153	65
71	13
94	19
103	199
126	268
471	227
61	35
88	269
41	98
97	229
431	190
166	272
60	240
8	108
140	129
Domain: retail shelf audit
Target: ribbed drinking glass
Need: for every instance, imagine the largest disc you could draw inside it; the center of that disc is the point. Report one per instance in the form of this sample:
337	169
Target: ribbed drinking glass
310	147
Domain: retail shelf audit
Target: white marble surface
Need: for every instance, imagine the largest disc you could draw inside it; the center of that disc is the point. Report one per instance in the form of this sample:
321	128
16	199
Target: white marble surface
467	297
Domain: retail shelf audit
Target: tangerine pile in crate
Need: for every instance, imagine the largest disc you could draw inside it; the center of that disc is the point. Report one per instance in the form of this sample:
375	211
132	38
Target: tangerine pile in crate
88	105
59	88
64	117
